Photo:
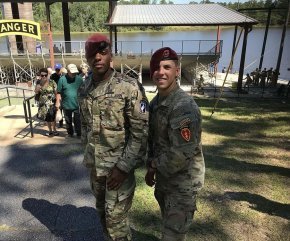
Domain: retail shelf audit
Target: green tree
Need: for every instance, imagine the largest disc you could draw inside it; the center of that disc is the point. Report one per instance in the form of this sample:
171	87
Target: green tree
144	2
91	16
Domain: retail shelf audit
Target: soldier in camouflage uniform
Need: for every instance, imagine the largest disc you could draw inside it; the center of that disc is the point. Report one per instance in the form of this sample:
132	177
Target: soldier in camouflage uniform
175	162
114	117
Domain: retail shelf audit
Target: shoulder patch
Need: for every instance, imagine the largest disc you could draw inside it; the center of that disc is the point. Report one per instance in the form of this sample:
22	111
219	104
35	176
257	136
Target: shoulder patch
143	106
185	133
184	122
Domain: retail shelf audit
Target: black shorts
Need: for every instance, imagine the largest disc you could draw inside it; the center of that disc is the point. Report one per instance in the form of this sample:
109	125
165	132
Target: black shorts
50	116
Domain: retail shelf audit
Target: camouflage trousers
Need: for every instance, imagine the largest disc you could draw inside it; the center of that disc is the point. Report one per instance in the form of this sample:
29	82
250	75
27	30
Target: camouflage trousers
113	206
177	212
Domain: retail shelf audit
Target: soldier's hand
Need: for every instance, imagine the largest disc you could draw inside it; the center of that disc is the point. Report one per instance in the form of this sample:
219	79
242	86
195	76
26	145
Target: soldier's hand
116	178
150	177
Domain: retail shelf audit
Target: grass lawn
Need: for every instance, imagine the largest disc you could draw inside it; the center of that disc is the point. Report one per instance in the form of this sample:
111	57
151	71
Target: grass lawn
14	101
246	196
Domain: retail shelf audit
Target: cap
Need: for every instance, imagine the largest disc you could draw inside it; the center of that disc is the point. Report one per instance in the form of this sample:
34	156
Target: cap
57	66
96	42
165	53
72	68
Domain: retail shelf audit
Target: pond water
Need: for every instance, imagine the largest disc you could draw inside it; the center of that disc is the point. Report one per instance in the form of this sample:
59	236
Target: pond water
254	47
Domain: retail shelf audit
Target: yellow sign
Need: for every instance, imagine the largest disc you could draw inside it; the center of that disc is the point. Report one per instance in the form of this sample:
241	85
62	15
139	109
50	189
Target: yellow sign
20	27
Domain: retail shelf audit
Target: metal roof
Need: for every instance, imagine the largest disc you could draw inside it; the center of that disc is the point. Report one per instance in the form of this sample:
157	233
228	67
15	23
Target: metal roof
177	14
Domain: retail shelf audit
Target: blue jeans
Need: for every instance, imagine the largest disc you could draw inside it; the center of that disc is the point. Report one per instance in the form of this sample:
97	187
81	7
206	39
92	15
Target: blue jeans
72	117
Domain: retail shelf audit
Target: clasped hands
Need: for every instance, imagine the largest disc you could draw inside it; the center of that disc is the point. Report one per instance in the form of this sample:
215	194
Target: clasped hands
150	175
116	178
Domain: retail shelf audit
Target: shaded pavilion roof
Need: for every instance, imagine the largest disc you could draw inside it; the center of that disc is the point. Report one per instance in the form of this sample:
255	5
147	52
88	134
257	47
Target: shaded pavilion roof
177	15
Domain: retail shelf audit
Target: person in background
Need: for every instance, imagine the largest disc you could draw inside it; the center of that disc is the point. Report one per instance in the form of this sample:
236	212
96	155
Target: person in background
200	84
256	76
249	81
46	89
84	71
114	117
263	78
56	76
224	70
67	89
63	71
50	71
269	76
175	163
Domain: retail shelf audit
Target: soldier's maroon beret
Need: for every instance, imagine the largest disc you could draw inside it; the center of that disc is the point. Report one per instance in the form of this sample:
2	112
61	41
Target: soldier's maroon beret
95	43
165	53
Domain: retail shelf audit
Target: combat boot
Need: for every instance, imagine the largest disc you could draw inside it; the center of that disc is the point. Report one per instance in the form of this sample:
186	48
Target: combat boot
167	237
107	237
122	239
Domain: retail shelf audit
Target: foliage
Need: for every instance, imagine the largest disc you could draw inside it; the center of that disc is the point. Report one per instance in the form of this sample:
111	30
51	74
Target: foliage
91	16
84	17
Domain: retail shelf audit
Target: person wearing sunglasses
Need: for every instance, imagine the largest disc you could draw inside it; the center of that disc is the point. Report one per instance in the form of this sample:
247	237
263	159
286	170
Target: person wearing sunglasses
46	89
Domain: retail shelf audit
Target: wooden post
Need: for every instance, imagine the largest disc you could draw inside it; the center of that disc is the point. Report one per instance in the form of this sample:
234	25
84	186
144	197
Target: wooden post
243	56
234	44
282	41
217	47
265	38
66	27
51	53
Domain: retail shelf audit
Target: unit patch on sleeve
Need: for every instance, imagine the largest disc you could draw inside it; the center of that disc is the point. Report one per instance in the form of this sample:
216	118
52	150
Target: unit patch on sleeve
143	106
185	133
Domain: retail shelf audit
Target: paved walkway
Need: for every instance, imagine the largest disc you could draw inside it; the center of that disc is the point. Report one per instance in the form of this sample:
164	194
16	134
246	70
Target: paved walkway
44	188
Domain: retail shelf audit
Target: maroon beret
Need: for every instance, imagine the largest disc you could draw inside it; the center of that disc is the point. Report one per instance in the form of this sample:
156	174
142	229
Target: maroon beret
95	43
165	53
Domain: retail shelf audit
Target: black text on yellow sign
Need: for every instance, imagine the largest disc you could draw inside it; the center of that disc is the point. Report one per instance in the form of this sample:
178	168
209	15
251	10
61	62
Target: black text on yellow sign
20	27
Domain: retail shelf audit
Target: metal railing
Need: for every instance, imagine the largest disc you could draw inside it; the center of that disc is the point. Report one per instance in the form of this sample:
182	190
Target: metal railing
186	47
28	117
26	102
16	89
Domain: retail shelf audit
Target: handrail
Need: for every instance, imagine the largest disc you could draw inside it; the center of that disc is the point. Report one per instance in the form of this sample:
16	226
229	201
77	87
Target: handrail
26	103
15	88
136	47
28	119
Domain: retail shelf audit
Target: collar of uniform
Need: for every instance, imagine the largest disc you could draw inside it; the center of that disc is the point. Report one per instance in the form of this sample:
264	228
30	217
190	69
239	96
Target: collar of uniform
166	100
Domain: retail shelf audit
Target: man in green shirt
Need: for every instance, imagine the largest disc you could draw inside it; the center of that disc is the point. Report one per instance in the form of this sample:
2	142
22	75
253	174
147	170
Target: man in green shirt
67	89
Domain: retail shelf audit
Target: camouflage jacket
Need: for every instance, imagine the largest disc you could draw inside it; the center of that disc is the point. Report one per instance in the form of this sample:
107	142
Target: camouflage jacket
114	119
175	142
